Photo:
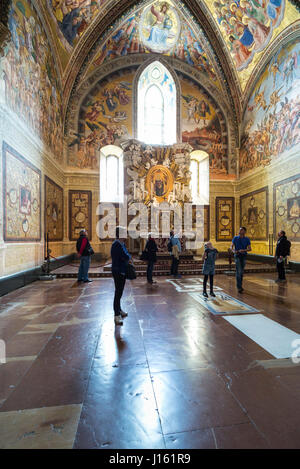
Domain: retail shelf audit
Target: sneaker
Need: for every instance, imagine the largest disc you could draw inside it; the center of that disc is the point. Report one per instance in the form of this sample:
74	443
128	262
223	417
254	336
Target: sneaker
177	276
88	280
123	314
205	294
212	293
241	290
118	321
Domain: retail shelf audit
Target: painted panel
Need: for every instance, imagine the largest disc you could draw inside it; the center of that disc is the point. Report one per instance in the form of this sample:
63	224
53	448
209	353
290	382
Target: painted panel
254	214
54	210
21	198
80	213
287	207
224	218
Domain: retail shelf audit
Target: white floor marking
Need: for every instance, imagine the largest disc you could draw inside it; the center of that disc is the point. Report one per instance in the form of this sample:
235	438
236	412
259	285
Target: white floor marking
273	337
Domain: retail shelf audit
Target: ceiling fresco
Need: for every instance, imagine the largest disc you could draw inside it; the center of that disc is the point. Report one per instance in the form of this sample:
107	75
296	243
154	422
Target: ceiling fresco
69	21
157	28
227	40
248	27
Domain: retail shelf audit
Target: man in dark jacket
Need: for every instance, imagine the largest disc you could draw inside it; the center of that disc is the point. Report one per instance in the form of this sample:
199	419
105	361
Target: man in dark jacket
151	249
282	251
84	251
120	258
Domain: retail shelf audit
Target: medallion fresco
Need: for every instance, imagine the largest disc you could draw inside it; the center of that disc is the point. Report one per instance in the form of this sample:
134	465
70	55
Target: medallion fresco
21	198
158	28
26	68
272	117
54	206
202	127
105	118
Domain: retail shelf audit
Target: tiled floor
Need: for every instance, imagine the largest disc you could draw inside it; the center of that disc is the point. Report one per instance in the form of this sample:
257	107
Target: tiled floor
174	376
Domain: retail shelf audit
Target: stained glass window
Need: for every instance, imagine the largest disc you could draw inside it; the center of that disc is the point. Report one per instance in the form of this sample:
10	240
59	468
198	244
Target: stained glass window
157	105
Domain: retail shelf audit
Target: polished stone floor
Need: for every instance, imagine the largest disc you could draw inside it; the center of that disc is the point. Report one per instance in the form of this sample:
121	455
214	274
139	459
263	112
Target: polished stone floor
176	375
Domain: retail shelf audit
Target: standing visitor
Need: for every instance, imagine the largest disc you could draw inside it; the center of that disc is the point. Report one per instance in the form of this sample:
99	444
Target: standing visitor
84	250
174	247
151	250
120	258
283	248
240	246
209	259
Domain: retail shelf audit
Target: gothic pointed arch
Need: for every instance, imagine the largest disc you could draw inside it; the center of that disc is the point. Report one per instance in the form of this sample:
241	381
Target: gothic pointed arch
174	81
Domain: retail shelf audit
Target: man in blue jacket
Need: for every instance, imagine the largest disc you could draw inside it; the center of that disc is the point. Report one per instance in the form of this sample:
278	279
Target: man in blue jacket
240	246
120	258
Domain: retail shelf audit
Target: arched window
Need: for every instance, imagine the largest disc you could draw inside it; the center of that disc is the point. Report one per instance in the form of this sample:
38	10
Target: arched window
199	168
156	105
111	174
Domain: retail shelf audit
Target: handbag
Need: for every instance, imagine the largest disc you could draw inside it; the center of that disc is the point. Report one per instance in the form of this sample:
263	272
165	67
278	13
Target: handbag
130	272
91	251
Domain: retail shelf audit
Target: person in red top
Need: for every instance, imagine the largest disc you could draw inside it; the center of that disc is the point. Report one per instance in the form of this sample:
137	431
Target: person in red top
84	251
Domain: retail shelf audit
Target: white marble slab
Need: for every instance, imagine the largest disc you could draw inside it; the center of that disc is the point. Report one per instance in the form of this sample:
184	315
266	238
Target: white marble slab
276	339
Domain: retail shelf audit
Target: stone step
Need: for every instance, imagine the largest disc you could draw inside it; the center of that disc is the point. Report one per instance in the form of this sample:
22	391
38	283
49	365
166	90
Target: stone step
195	272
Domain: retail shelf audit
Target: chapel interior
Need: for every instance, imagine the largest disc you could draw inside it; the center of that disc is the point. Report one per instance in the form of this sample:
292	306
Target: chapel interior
112	108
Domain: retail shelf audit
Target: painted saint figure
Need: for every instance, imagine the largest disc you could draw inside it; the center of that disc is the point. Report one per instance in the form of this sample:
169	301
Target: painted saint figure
161	29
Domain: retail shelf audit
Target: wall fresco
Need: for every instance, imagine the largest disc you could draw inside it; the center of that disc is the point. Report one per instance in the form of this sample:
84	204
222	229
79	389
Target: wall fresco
29	79
203	127
272	117
105	118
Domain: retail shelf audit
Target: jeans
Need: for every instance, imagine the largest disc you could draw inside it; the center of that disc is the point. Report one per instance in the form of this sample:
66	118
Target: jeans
281	269
120	281
240	262
174	266
211	283
149	271
84	268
